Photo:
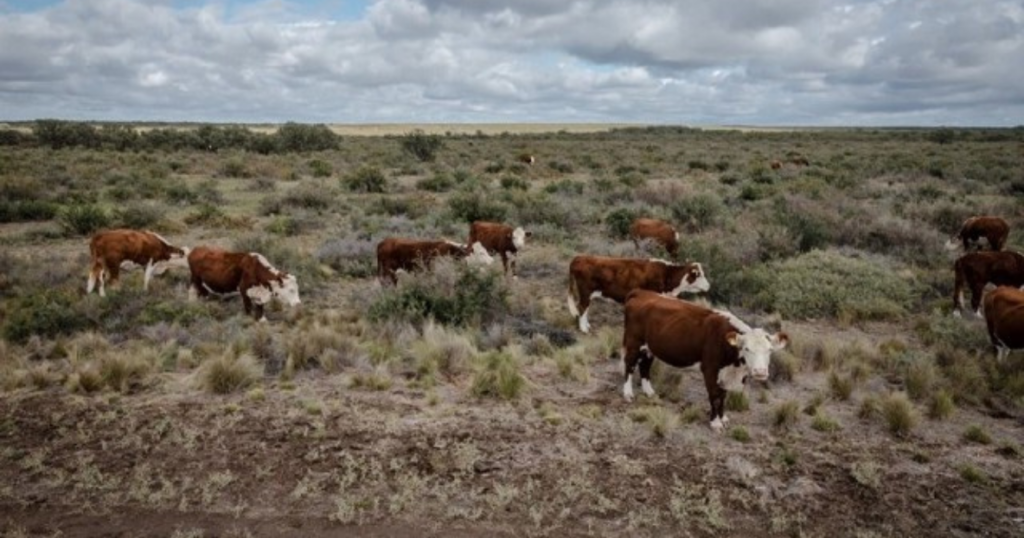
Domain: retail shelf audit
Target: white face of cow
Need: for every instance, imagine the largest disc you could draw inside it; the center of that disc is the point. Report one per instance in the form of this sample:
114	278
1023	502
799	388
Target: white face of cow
519	238
954	243
287	291
479	256
755	349
693	281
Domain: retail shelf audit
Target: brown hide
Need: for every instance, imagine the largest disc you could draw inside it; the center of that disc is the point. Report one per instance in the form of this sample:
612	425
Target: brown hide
221	272
497	239
977	269
412	254
994	229
1004	316
108	249
659	231
681	334
776	165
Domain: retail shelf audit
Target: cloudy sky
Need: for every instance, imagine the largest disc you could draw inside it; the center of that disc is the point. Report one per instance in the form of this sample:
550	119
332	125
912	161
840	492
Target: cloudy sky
695	62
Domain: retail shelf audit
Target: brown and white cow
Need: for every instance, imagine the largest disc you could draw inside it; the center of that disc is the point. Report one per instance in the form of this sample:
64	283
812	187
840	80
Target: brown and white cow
528	159
682	334
975	270
394	254
775	165
110	248
591	277
1004	316
247	273
994	229
660	231
499	239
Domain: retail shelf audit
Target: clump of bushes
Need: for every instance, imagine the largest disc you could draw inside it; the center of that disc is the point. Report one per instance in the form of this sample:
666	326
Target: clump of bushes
468	206
83	219
228	373
698	212
618	222
422	146
139	216
498	376
48	313
439	182
353	258
833	284
366	179
452	294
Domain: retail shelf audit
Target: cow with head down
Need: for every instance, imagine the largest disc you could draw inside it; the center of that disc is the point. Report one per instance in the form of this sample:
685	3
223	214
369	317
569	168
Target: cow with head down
994	230
591	277
1004	319
396	254
247	273
110	249
681	334
655	230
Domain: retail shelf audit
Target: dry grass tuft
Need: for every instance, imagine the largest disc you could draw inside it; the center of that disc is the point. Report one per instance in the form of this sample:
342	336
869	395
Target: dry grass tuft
737	402
976	434
941	406
126	370
841	386
786	414
660	419
498	376
899	414
228	373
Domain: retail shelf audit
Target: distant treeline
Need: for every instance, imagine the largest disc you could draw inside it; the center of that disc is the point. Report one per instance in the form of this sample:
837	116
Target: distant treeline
57	134
297	137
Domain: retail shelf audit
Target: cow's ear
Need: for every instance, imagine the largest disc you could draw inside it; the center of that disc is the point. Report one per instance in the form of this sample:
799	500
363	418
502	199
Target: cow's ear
779	340
733	338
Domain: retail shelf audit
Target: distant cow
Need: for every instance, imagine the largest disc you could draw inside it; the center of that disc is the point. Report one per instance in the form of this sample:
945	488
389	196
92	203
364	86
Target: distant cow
660	231
247	273
591	277
1004	316
977	269
394	254
994	229
499	239
109	249
776	165
681	334
526	158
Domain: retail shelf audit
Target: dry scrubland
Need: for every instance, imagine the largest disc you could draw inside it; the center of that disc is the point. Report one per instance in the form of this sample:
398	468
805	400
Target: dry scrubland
144	414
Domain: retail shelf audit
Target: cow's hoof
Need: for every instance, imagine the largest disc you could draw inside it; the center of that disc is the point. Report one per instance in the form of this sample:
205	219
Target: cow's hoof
956	313
717	425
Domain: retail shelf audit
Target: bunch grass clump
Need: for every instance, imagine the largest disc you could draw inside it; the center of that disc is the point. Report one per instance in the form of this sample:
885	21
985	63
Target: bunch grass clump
498	375
228	373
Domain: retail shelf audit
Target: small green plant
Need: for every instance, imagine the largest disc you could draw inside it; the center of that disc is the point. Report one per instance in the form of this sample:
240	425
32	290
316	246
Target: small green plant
514	183
739	433
737	402
941	406
422	146
498	376
976	434
439	182
83	219
320	168
619	221
867	474
841	386
973	474
824	423
661	420
469	206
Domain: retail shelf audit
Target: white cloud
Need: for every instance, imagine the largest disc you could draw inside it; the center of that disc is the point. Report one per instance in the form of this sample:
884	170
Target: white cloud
664	61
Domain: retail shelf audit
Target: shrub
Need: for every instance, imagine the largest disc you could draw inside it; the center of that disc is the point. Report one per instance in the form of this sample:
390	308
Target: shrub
301	138
366	179
475	205
899	414
353	258
124	371
320	168
310	196
828	283
824	423
972	474
46	314
422	146
438	183
698	212
83	219
452	294
618	222
235	168
27	210
514	182
228	373
941	406
498	376
139	216
561	167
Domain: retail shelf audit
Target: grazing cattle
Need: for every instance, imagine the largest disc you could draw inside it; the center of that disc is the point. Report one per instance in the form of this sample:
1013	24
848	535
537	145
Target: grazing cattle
681	334
110	248
499	239
657	230
1004	316
776	165
976	269
526	158
395	254
994	229
591	277
247	273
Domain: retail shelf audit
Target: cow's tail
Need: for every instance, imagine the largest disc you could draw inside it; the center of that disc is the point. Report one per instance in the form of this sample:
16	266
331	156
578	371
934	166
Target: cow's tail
95	269
573	298
960	269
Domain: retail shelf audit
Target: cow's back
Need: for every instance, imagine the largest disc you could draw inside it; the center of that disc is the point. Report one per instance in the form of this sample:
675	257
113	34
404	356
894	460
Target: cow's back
616	277
119	245
218	269
494	236
678	332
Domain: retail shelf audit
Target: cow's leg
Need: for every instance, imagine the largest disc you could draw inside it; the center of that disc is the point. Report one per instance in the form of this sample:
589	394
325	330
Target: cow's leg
716	395
147	275
958	290
504	262
1001	353
646	361
95	271
512	264
246	301
114	270
976	292
630	356
258	313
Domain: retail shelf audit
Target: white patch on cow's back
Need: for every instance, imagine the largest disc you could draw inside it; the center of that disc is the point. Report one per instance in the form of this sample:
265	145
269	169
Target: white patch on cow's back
736	322
677	236
160	237
263	261
519	238
666	262
454	244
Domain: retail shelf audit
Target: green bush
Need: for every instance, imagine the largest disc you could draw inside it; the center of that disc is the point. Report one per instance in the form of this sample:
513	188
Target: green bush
47	313
310	196
235	168
831	284
27	210
422	146
699	212
514	182
139	216
366	179
438	183
320	168
498	377
296	137
468	206
452	294
618	222
83	219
